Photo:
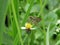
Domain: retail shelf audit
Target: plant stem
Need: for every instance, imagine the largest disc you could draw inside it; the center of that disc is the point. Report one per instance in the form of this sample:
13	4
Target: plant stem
14	14
40	8
47	35
27	13
42	17
55	9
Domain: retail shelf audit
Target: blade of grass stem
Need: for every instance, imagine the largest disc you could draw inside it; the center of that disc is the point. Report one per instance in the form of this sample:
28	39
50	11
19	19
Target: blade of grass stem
16	4
55	9
16	40
47	35
12	23
42	7
42	16
19	31
58	42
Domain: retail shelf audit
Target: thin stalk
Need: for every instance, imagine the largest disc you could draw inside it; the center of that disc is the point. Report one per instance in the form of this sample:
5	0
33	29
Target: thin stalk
55	9
25	37
58	42
42	16
16	40
47	35
28	42
14	14
27	13
28	39
42	7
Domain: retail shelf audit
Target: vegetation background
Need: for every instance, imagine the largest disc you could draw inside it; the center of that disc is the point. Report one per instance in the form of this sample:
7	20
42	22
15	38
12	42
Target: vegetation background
42	14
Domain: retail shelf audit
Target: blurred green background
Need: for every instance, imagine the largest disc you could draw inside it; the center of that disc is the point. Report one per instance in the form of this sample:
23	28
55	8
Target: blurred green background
42	14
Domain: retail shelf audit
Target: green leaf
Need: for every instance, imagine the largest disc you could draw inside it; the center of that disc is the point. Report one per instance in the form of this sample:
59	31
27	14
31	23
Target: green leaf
51	17
52	4
58	13
3	9
16	4
35	8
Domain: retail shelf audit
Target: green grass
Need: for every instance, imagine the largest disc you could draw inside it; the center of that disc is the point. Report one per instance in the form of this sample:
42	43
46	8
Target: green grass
19	12
3	10
16	21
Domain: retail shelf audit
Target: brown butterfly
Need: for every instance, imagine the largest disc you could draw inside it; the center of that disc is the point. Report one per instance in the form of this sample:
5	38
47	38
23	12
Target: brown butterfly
34	20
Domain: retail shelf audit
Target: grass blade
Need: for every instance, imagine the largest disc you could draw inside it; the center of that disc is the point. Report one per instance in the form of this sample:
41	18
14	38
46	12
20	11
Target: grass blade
47	35
3	10
16	21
